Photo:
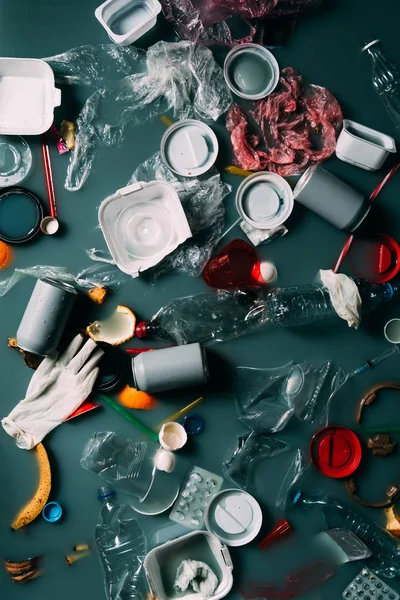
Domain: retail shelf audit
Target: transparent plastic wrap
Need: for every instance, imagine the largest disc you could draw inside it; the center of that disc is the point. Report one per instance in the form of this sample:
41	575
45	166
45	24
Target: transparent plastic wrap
266	399
384	547
240	461
298	465
94	276
297	127
127	465
180	77
204	21
92	65
202	200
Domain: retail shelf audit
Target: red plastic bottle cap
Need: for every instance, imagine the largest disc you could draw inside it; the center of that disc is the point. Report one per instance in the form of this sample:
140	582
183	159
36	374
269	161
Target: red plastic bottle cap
141	330
336	451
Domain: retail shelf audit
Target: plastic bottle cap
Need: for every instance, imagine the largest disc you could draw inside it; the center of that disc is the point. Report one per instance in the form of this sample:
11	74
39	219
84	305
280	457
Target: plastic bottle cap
52	512
336	451
141	330
105	492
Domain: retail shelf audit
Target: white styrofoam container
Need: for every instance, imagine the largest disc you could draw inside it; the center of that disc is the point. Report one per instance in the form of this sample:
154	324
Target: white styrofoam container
127	20
362	146
161	565
27	96
142	223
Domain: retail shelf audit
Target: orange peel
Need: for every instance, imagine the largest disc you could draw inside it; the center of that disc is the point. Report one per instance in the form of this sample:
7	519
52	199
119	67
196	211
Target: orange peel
132	398
5	255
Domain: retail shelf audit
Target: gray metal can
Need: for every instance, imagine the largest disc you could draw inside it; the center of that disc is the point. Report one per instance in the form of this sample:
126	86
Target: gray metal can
170	368
46	316
331	198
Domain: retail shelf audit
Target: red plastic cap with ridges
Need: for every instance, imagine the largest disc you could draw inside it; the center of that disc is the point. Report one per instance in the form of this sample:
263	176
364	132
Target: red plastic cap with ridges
141	330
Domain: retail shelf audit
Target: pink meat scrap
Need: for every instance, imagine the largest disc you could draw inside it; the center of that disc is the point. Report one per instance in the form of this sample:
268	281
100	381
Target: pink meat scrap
287	121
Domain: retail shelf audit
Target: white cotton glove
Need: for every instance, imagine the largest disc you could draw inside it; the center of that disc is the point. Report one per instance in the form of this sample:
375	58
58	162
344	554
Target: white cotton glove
57	388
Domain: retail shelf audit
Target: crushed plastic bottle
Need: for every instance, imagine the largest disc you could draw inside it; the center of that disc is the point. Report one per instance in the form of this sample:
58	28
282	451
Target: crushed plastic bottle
385	79
121	547
227	314
385	559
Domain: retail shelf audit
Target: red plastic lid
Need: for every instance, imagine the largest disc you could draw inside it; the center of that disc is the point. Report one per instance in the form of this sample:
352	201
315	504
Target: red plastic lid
336	451
375	257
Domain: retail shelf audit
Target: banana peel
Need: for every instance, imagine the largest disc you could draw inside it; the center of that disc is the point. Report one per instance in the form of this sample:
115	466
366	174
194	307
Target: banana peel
35	505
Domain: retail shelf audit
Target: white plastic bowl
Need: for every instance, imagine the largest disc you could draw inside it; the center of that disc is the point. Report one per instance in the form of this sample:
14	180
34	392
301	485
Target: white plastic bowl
127	20
27	96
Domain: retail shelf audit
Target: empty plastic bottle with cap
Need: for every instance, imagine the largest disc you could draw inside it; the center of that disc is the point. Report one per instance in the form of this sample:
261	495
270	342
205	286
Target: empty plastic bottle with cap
385	79
385	559
227	314
121	546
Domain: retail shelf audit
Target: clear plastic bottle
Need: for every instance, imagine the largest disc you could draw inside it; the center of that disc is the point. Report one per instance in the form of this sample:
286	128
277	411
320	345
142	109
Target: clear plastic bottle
121	547
227	314
385	559
385	79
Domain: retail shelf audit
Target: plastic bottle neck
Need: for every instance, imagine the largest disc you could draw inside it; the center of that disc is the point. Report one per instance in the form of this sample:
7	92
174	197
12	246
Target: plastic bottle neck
381	63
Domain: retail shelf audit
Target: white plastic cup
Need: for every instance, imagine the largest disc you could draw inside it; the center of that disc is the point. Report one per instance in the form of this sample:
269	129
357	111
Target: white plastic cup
392	331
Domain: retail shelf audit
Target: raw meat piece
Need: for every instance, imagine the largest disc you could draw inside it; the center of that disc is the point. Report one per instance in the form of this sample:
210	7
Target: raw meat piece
288	120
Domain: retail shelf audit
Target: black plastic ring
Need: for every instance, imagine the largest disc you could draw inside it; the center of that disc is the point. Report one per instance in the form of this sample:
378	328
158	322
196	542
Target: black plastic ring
4	193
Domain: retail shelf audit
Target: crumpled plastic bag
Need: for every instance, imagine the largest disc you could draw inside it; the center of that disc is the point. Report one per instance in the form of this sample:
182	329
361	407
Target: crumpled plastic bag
202	200
204	21
297	126
266	399
344	295
94	276
241	461
180	77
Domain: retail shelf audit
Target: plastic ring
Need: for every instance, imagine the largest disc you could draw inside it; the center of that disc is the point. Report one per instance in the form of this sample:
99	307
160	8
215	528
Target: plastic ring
35	226
193	424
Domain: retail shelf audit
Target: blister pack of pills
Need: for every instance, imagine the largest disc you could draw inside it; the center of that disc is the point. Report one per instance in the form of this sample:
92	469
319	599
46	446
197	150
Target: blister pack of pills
367	586
196	493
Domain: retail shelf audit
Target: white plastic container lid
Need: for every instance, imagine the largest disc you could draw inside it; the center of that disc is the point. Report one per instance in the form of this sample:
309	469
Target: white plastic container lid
264	200
27	96
142	223
234	516
189	148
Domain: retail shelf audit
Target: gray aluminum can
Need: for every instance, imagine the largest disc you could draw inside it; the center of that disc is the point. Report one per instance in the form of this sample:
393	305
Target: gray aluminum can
331	198
170	368
46	316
